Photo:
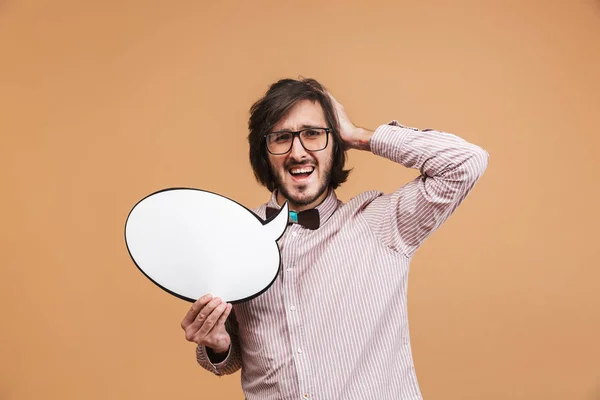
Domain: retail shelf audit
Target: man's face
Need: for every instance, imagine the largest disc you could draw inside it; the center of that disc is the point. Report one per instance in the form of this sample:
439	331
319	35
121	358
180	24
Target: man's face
302	177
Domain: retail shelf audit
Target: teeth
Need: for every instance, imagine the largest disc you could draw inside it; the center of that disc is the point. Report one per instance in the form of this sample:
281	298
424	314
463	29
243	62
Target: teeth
302	170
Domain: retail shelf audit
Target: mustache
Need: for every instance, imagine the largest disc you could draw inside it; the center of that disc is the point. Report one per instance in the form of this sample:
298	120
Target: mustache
293	164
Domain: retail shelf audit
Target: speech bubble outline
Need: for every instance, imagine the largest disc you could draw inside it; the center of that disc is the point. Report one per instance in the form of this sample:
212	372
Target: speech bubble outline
271	229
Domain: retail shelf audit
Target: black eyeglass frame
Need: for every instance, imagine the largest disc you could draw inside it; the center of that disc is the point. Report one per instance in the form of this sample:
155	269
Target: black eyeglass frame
297	134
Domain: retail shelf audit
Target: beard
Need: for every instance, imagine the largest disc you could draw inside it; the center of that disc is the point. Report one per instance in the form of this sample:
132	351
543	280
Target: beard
302	199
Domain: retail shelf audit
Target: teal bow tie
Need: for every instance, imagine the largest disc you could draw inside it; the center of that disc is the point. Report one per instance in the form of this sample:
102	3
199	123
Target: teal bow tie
308	218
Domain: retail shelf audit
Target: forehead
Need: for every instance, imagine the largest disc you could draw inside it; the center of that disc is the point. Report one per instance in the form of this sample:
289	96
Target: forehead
305	113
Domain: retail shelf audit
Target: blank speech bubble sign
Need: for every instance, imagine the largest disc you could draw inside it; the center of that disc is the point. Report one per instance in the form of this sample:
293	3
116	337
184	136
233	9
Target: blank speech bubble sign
191	242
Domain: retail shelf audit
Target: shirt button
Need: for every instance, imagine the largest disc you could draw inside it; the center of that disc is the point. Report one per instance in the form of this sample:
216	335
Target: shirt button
294	234
305	395
293	308
299	350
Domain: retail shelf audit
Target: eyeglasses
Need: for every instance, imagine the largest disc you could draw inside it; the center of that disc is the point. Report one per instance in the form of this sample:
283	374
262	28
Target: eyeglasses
312	139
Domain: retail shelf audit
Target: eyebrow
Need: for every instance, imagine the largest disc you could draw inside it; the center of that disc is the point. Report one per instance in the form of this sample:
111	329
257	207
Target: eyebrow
303	126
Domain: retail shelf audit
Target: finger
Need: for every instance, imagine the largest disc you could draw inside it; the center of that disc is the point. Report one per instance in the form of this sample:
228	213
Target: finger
224	316
332	97
195	309
336	104
195	326
211	320
210	335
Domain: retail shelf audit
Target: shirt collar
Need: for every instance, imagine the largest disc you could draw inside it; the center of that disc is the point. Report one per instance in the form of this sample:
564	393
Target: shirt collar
326	208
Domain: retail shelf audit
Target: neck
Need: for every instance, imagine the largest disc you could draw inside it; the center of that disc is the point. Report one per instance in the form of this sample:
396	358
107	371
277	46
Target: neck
301	207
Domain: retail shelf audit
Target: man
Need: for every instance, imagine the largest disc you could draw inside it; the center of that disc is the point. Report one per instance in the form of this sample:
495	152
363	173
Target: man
334	323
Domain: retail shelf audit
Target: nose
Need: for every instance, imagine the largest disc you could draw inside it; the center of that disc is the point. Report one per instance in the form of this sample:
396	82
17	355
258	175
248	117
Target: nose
297	152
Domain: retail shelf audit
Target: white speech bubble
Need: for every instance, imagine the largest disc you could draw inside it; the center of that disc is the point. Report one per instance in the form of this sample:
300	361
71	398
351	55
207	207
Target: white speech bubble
191	242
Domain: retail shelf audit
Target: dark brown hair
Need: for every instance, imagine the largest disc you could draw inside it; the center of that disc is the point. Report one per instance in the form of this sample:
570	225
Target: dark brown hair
272	107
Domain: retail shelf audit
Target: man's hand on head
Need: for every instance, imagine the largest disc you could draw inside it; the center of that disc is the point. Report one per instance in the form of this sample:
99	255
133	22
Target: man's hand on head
352	136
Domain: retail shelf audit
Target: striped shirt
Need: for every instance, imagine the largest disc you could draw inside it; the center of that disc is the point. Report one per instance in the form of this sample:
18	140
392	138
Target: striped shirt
334	323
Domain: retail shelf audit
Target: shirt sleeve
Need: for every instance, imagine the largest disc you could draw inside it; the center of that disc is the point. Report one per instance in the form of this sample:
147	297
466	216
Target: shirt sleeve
449	168
232	362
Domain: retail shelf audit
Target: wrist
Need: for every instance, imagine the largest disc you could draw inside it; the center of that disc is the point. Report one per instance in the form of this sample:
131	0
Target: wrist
361	139
217	356
217	351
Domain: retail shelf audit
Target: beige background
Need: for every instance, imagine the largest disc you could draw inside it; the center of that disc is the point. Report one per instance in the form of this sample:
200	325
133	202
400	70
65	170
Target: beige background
102	103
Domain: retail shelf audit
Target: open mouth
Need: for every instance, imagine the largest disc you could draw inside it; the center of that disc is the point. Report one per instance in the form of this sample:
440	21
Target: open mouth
301	172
